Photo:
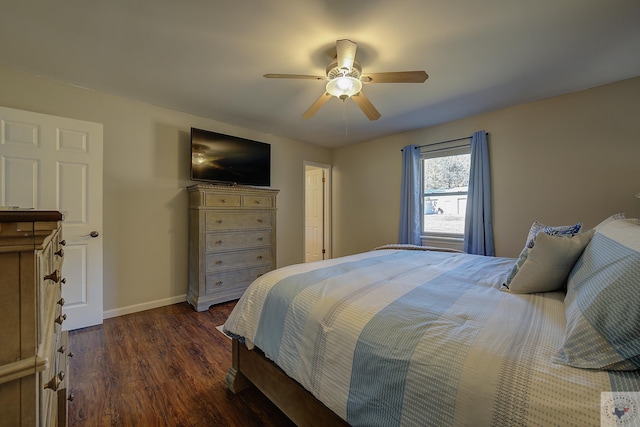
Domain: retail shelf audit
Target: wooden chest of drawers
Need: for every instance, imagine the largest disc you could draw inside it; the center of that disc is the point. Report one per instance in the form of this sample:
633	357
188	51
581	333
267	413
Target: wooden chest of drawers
33	350
232	240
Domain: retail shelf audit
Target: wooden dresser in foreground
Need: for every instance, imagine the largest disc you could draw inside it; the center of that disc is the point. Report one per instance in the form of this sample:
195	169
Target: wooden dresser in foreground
232	240
33	350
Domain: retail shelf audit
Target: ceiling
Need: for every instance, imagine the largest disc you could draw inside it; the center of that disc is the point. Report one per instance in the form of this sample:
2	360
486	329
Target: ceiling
207	57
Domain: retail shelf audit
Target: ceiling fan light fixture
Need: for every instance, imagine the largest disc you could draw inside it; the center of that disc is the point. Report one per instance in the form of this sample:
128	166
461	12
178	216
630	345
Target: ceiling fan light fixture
344	80
344	87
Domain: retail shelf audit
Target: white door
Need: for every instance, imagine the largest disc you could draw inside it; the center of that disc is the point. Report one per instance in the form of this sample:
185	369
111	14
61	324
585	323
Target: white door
316	213
55	163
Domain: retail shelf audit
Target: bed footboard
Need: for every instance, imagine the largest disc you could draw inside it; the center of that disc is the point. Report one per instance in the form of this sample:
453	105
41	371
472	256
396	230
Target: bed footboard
252	367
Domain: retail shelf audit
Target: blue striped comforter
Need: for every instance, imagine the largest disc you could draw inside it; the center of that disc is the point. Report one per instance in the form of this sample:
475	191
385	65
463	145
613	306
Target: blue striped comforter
410	338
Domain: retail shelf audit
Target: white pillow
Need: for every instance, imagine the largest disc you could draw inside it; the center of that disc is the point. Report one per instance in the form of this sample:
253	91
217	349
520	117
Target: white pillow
549	263
601	306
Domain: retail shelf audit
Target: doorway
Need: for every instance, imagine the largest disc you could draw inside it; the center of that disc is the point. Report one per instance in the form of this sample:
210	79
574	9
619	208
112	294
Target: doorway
317	208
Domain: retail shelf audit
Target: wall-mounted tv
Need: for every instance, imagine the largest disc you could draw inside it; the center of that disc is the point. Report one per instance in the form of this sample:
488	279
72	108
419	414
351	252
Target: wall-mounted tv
216	157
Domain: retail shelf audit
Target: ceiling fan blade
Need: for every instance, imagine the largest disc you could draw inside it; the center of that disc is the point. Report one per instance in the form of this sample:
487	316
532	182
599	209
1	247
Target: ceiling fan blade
346	53
293	76
316	105
366	106
396	77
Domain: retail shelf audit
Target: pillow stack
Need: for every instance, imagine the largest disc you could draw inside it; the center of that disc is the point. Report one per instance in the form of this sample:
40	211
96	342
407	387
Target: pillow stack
547	258
602	301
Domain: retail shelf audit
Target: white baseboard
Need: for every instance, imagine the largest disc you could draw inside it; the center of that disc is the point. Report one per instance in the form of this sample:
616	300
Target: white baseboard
143	306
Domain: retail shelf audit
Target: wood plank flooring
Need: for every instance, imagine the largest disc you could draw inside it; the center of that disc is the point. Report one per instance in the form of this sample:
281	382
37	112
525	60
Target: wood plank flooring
161	367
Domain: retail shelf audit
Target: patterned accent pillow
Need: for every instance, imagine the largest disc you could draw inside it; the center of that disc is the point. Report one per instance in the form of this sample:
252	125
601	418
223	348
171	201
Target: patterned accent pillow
548	263
560	230
516	267
537	227
602	309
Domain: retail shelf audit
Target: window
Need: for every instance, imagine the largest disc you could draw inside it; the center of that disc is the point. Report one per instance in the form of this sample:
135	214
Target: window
445	182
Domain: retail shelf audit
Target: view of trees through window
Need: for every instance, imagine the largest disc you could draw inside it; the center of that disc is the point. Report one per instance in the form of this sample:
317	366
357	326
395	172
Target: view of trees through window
446	181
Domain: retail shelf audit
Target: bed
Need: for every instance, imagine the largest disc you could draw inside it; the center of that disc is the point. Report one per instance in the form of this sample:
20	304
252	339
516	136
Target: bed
401	337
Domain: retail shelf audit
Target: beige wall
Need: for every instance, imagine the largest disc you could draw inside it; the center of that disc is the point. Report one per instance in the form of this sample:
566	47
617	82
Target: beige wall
561	160
146	170
571	158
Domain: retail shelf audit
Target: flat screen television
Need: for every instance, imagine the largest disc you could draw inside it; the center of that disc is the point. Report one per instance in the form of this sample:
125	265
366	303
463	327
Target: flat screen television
220	158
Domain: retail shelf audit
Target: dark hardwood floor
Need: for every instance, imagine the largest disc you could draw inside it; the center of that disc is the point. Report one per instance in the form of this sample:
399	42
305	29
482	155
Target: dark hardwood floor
161	367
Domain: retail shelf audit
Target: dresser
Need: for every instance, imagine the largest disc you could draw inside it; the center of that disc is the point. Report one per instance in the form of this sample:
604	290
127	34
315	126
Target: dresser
232	240
34	350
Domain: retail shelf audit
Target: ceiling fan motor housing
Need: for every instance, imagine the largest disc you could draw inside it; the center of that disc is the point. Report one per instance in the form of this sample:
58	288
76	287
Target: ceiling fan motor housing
334	71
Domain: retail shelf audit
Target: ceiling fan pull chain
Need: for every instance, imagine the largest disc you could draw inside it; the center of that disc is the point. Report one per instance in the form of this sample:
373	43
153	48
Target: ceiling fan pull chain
346	117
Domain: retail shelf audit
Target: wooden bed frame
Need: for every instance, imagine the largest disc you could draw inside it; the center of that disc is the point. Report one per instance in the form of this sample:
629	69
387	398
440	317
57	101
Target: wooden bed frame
251	367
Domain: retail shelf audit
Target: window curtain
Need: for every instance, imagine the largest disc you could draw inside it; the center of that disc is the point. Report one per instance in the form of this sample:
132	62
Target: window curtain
478	227
409	232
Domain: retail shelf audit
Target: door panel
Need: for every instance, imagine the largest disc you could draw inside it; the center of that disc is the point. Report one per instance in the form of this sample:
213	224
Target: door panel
73	196
21	178
50	162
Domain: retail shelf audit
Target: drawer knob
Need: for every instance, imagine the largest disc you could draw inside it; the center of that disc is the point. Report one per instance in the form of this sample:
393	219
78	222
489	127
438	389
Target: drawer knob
63	280
62	349
70	354
260	239
218	262
218	242
260	220
219	221
70	398
63	242
61	319
59	253
61	302
218	283
259	256
53	276
54	382
257	202
223	200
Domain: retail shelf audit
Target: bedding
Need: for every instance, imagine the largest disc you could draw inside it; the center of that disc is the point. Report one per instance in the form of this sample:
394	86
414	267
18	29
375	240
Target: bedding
401	337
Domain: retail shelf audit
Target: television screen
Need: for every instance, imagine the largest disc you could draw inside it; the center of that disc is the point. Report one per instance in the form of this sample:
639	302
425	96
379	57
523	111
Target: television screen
228	159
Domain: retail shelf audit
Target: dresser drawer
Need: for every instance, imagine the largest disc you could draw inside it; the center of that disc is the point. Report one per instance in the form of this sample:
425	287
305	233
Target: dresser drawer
49	404
216	242
232	280
63	354
57	248
222	200
235	220
52	378
252	201
225	260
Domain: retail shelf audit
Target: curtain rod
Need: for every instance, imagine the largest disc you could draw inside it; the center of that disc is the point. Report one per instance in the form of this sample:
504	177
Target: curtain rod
444	142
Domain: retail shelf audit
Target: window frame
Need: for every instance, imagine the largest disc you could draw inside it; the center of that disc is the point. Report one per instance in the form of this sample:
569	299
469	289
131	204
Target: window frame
430	152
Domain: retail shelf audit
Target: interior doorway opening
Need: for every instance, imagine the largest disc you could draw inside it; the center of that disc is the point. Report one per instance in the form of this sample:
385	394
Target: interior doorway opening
317	209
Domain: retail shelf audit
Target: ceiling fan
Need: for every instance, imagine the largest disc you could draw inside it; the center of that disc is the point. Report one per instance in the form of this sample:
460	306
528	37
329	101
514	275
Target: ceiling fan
344	80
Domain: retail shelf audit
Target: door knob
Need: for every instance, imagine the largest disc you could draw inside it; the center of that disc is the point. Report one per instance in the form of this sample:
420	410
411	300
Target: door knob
94	233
